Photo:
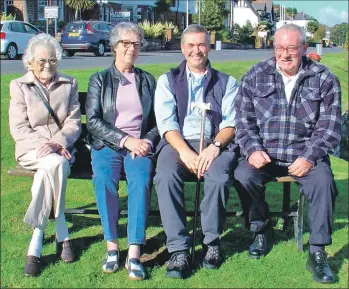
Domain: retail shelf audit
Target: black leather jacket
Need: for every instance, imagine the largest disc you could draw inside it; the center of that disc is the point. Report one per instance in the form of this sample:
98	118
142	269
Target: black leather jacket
100	108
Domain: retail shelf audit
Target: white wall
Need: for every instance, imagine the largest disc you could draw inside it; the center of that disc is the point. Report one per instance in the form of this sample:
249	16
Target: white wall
242	14
182	6
301	23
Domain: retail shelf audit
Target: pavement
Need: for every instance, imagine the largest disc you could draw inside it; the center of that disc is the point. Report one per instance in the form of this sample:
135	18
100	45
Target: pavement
89	60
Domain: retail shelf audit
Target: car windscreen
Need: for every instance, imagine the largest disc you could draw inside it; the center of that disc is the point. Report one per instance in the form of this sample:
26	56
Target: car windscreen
1	26
74	27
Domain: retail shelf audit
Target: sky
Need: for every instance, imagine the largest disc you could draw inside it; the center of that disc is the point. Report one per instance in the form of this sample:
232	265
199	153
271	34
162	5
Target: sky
328	12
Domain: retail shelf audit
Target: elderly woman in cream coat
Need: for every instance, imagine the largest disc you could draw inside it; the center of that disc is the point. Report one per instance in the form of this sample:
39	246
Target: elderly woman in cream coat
44	145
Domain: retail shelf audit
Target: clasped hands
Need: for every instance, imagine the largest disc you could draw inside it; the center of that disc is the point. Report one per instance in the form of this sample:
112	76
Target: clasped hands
138	147
299	168
50	148
199	164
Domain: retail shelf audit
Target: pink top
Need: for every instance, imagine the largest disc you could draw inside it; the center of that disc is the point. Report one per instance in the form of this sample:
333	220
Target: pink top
128	112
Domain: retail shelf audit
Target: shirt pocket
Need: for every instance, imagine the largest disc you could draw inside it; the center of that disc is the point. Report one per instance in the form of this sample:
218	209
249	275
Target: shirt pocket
264	101
308	105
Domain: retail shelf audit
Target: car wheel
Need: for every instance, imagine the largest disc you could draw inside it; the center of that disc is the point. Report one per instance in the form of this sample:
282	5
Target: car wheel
101	49
70	53
11	51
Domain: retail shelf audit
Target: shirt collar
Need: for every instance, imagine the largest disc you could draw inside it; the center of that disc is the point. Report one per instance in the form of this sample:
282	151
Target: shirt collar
278	69
190	74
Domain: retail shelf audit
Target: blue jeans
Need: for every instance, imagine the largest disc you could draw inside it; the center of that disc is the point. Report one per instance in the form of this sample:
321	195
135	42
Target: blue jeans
108	166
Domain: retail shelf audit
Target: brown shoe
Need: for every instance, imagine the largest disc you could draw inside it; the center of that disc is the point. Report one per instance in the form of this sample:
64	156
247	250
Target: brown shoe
65	251
32	267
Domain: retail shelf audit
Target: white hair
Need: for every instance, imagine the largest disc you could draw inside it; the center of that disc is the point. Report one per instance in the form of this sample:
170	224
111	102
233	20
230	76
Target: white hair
45	40
293	27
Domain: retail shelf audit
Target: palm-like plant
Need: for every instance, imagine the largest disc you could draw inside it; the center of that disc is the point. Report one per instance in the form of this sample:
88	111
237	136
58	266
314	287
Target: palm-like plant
80	5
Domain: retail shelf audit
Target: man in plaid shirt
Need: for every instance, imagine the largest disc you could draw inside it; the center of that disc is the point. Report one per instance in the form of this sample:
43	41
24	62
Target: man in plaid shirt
288	119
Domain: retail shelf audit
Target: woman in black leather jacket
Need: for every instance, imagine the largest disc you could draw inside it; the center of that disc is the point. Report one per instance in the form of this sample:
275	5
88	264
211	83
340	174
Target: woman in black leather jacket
122	134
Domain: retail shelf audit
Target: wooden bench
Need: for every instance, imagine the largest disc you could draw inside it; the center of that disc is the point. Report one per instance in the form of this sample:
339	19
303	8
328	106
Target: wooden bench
82	169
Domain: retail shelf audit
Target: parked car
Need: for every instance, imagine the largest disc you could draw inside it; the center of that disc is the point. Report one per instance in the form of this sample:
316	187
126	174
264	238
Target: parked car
86	36
14	36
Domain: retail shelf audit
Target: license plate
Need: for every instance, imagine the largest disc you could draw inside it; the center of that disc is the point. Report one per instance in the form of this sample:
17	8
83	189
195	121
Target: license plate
74	34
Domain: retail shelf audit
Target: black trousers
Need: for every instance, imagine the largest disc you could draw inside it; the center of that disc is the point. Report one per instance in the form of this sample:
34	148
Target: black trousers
318	186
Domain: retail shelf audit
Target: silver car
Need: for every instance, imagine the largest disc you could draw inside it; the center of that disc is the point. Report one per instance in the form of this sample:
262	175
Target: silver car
14	37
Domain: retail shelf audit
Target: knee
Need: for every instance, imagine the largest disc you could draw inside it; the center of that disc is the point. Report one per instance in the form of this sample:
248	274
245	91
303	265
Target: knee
219	177
166	173
243	174
55	162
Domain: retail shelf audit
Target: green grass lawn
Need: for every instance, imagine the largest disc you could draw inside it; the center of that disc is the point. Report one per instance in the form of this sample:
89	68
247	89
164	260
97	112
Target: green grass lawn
284	267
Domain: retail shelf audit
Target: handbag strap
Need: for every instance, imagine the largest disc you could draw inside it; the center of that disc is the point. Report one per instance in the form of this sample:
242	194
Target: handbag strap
41	94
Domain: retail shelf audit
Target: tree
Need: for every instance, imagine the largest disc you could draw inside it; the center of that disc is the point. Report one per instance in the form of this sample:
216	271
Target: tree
312	26
80	5
213	13
338	33
162	8
320	33
291	11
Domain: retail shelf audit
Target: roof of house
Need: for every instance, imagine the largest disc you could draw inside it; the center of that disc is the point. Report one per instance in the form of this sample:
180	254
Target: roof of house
302	16
266	5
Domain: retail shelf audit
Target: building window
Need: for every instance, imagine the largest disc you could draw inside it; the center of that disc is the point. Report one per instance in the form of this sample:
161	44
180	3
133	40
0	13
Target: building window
9	8
41	9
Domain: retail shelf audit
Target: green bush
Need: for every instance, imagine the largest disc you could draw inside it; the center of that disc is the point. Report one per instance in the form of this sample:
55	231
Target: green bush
7	17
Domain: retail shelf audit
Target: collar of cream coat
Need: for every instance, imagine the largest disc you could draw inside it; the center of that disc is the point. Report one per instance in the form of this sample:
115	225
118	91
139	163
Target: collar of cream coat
29	78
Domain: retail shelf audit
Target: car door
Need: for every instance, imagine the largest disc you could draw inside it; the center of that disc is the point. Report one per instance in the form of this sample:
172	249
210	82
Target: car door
30	30
103	28
18	36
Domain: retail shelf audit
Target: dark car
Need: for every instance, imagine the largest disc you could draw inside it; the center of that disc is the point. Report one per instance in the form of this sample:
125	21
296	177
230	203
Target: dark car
86	36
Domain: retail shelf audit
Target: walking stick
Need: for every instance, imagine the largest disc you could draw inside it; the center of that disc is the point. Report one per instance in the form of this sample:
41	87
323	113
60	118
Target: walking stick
203	107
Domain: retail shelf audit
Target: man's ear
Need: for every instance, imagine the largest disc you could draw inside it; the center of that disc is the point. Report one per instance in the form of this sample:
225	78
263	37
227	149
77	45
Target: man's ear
305	48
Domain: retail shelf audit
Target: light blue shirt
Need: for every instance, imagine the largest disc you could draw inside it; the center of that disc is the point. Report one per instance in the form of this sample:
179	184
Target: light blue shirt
165	106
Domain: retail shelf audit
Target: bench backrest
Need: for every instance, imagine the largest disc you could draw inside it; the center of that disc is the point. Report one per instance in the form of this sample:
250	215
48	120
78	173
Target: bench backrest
82	100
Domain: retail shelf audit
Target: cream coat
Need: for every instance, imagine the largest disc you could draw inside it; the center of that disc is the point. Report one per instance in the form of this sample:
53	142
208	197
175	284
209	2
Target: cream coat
31	126
30	123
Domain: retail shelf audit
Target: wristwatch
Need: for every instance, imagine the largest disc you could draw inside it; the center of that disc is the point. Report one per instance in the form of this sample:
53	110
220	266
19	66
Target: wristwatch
217	144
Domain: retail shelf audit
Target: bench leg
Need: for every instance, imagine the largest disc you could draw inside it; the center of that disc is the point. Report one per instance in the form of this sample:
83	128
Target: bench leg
286	205
298	223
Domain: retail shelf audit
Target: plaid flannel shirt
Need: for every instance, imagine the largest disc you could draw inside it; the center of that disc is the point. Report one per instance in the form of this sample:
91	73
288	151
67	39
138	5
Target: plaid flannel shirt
308	126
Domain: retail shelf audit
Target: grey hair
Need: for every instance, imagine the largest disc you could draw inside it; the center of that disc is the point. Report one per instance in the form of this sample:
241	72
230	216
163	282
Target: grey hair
42	39
195	28
115	33
294	27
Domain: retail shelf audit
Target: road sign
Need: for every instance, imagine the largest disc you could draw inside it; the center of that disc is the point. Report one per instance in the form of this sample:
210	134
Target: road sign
51	11
117	17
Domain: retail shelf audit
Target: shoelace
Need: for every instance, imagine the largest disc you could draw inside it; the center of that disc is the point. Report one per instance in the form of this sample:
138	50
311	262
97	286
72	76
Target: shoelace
322	258
258	238
212	252
179	259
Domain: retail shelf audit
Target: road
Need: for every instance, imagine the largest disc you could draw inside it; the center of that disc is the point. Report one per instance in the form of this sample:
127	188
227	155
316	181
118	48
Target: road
88	60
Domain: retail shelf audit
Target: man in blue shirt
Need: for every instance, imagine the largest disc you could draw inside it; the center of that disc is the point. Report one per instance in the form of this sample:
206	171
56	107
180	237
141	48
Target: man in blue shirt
179	125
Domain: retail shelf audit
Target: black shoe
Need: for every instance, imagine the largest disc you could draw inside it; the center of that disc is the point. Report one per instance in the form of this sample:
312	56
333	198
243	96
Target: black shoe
178	265
33	266
212	257
262	243
317	264
66	251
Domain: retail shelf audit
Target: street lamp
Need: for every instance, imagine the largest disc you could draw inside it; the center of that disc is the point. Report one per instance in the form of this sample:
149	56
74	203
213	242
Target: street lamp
102	4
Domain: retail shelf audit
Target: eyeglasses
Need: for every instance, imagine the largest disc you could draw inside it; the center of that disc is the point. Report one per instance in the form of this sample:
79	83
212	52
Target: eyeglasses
127	44
291	49
42	62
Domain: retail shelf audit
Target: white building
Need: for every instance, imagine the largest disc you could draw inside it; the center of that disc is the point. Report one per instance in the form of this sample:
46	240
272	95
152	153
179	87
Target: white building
253	11
301	19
